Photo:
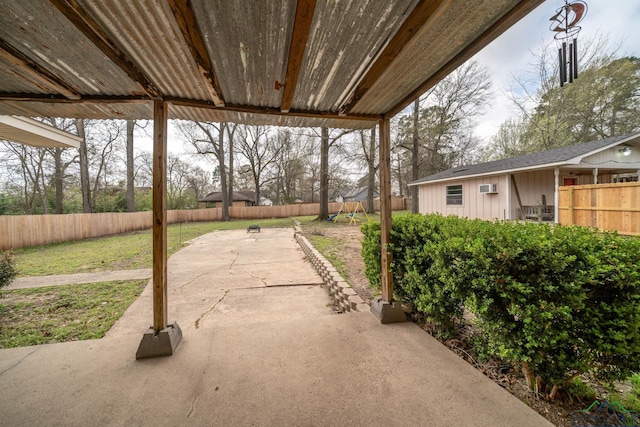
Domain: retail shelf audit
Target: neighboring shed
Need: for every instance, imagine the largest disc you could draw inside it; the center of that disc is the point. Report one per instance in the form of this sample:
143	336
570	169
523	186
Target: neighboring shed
240	198
527	186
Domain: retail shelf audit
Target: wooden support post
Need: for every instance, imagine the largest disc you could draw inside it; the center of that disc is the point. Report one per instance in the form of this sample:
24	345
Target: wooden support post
159	215
163	337
383	306
385	209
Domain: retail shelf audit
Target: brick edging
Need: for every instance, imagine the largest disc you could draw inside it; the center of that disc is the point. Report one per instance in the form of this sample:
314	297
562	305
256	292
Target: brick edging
339	290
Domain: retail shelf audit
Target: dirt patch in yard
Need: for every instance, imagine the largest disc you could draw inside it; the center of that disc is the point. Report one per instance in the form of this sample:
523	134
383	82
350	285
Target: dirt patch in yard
344	245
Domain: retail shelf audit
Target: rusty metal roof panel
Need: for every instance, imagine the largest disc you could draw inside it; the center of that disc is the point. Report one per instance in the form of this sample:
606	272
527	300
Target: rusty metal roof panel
345	39
248	42
44	34
455	24
148	34
16	81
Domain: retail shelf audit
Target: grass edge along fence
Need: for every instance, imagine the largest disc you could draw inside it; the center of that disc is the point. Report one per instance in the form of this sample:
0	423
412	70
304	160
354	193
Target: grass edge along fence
556	302
20	231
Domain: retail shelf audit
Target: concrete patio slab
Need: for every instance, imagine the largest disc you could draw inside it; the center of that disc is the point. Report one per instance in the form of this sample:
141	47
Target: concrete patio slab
252	355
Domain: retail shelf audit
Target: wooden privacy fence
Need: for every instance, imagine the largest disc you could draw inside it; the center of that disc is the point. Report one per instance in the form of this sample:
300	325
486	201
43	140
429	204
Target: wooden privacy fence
604	206
33	230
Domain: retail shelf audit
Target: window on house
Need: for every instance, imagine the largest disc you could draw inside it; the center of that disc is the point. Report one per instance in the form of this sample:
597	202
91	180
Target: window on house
454	194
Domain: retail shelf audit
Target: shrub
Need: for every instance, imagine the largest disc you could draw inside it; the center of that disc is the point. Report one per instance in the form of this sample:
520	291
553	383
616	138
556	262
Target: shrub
7	268
556	301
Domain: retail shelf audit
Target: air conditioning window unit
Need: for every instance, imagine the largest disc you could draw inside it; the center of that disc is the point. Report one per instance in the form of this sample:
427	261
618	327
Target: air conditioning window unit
488	188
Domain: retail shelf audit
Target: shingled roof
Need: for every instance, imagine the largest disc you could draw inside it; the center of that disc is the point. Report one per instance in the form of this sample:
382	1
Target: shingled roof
563	156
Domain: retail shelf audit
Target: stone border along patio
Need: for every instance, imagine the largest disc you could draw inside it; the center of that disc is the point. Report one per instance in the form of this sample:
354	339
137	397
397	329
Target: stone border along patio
339	290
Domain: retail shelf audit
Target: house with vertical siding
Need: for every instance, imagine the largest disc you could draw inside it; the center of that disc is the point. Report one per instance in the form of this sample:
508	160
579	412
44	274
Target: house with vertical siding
526	187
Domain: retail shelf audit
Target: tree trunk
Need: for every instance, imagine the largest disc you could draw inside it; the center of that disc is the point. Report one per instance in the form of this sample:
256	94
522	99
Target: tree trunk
324	175
414	156
41	188
223	173
529	376
372	171
131	206
230	168
399	173
84	169
256	180
58	179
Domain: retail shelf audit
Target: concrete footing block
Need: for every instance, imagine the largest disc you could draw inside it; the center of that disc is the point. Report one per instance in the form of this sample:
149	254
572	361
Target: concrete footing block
163	343
387	312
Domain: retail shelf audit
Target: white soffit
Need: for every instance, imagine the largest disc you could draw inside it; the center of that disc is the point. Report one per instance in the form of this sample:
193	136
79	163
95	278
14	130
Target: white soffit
32	132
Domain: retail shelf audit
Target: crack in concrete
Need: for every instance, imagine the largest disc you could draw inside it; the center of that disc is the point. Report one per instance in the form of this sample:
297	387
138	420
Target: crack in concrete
193	402
191	281
197	324
263	279
19	361
237	256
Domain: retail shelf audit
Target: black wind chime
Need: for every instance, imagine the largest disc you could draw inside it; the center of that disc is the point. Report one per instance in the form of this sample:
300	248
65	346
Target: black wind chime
565	25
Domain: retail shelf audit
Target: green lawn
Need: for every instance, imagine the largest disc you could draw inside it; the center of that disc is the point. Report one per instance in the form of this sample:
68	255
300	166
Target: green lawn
121	252
63	313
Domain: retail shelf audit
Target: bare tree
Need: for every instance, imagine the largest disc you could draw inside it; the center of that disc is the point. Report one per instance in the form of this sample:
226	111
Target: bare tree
369	149
441	123
231	130
28	164
103	140
326	142
131	205
84	168
415	151
259	149
209	139
289	166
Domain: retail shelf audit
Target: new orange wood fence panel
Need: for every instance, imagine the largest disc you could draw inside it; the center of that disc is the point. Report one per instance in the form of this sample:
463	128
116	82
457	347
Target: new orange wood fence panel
604	206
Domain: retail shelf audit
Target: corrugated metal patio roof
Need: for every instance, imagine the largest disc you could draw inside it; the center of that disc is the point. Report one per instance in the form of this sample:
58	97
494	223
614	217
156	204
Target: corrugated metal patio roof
335	63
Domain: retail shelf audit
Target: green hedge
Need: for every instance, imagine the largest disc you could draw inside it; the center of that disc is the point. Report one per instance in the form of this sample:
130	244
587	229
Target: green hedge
557	301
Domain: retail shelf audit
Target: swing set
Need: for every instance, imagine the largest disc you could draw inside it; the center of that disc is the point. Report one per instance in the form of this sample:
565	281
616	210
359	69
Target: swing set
352	215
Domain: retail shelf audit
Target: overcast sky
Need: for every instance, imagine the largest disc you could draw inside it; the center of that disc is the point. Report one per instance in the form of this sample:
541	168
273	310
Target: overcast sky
511	53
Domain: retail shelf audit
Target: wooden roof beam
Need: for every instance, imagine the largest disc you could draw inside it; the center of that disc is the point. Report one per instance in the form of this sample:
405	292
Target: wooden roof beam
186	20
98	37
503	24
32	71
272	111
418	17
301	27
